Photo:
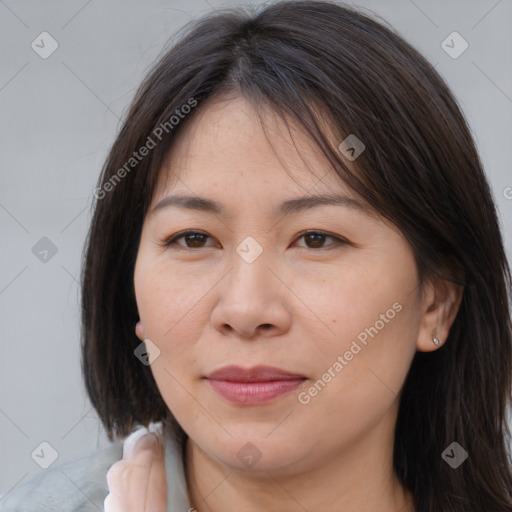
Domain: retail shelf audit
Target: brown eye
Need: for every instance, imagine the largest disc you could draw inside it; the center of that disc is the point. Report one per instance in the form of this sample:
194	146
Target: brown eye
316	240
197	240
193	240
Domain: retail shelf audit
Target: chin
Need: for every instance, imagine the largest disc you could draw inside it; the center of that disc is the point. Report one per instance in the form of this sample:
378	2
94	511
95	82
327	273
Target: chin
255	451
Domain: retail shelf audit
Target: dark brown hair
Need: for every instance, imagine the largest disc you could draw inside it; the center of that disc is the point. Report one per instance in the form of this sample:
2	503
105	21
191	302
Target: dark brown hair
420	169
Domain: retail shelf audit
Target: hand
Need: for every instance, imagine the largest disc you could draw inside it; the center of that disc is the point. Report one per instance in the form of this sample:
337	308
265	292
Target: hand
138	483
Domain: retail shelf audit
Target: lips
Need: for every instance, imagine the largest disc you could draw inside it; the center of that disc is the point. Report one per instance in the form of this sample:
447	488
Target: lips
255	374
253	386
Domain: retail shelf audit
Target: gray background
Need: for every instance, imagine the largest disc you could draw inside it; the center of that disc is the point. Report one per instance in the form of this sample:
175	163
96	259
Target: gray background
58	118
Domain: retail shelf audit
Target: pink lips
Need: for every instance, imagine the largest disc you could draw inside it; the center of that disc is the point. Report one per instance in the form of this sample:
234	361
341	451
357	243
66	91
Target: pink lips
253	386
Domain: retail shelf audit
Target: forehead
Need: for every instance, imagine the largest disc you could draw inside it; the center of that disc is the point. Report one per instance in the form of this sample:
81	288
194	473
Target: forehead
229	145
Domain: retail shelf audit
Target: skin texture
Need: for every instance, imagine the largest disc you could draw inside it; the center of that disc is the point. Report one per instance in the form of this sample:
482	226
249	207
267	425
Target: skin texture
298	306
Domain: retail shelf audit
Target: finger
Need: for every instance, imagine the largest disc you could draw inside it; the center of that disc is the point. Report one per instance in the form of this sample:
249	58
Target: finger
127	483
130	442
111	504
138	478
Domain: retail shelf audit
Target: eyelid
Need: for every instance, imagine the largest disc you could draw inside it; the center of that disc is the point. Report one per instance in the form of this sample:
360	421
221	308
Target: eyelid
321	232
170	242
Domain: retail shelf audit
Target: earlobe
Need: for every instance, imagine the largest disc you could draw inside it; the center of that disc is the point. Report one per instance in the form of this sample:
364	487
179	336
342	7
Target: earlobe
139	330
435	339
430	341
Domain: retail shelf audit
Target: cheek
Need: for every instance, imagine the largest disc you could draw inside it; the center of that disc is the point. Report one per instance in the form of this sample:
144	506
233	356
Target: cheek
172	306
362	361
356	301
169	307
169	302
357	384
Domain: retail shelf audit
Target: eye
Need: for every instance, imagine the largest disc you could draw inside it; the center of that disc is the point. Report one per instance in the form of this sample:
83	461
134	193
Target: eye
196	240
316	239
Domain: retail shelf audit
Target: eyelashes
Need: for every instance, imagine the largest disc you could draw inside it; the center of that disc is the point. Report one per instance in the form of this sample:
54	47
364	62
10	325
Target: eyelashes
198	237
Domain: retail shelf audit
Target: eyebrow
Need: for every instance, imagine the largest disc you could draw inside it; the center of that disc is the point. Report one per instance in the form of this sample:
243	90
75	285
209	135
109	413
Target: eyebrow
287	207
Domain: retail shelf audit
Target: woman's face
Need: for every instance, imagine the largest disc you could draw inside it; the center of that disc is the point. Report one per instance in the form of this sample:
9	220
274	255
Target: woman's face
340	308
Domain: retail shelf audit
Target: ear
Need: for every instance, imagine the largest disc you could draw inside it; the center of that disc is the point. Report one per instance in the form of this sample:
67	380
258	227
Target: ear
439	306
139	330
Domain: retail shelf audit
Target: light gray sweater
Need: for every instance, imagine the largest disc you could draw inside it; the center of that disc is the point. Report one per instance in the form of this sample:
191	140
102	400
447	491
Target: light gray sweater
81	485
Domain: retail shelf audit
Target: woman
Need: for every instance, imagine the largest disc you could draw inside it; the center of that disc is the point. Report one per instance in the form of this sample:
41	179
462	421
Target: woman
295	271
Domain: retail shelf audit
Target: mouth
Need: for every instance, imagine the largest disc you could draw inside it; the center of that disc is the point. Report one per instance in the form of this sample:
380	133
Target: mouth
253	386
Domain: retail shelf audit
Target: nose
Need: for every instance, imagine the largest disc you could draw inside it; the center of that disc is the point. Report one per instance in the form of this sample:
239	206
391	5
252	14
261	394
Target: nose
252	301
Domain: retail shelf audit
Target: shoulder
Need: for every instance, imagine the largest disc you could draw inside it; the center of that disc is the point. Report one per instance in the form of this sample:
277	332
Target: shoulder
80	485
